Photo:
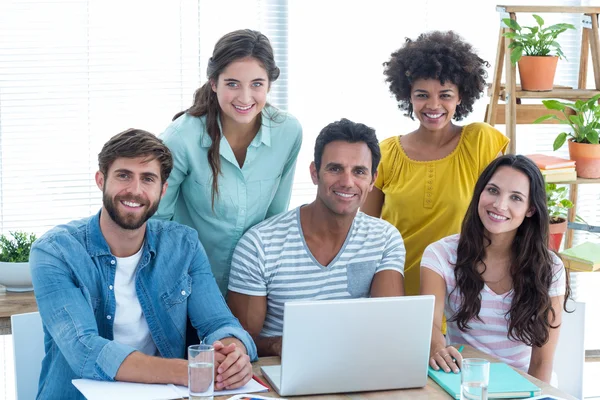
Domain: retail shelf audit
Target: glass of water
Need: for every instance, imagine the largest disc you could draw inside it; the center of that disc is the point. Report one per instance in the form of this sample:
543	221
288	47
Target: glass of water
201	371
474	379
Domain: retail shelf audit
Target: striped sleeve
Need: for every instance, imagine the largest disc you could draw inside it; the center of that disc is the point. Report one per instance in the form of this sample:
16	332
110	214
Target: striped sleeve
436	257
394	253
247	274
559	280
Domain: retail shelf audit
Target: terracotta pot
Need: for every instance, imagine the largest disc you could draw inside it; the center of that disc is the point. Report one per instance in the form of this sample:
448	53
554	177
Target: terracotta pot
557	231
587	159
537	72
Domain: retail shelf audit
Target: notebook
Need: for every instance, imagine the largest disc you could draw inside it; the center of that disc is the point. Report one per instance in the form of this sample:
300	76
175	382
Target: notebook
505	383
584	257
557	171
544	161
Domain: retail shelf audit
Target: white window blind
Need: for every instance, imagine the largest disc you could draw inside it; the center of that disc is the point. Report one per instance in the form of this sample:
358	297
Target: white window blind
73	73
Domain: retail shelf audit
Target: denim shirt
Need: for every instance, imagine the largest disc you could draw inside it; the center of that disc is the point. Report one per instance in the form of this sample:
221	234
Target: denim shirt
73	274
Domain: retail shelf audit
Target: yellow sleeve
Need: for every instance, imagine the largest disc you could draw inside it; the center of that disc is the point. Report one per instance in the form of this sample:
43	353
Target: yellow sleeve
383	170
486	142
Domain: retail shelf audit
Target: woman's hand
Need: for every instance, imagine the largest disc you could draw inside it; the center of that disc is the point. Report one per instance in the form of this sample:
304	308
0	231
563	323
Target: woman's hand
446	358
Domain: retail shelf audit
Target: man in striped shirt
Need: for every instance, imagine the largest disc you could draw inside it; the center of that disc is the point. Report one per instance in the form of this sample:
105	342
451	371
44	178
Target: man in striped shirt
324	250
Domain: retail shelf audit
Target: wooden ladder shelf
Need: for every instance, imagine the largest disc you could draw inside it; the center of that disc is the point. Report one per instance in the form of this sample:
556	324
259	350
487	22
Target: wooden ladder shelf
512	112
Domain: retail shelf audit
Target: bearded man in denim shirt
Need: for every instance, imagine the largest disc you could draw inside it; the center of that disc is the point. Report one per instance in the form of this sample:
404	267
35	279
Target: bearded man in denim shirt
115	290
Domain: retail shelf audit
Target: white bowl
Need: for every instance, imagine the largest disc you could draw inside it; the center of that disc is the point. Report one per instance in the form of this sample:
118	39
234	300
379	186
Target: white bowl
16	277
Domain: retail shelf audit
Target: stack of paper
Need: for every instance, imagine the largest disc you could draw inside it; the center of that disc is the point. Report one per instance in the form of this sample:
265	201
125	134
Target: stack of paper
554	169
583	257
102	390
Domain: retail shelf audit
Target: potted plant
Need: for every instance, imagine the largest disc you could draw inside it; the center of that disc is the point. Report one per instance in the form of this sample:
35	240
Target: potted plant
14	261
558	206
583	136
531	48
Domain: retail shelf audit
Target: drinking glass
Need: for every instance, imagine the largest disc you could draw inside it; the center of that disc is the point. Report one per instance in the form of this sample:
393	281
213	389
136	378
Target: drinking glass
201	371
474	379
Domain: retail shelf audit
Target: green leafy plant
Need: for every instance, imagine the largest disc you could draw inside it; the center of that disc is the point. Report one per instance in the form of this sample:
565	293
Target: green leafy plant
558	203
534	40
584	123
16	249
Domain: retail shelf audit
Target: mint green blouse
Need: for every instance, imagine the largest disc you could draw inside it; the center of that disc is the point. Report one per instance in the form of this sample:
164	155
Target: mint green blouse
247	195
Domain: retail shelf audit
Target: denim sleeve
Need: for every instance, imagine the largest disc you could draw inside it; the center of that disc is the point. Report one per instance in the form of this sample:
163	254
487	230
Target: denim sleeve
69	317
207	309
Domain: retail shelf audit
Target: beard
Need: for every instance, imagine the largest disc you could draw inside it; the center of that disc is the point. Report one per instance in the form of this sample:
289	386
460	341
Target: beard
127	220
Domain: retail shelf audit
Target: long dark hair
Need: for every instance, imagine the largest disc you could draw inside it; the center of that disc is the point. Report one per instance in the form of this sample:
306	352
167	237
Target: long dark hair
531	267
231	47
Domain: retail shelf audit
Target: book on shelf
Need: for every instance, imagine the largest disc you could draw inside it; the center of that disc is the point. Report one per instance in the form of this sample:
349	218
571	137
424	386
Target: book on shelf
566	176
547	162
554	169
583	257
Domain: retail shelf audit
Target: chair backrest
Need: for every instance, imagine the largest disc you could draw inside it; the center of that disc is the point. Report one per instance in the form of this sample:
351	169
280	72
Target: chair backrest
569	357
28	345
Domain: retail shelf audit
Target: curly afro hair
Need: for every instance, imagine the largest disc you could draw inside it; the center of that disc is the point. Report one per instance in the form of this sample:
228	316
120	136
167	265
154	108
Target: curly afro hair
437	55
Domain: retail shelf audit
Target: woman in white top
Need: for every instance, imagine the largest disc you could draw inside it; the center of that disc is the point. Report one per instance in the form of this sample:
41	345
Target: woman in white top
502	290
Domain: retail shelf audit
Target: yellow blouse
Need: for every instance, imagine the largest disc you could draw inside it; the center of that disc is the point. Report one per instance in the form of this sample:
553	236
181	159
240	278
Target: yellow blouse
427	200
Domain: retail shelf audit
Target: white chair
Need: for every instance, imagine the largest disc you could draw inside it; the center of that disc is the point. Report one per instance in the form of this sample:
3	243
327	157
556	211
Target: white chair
569	357
28	346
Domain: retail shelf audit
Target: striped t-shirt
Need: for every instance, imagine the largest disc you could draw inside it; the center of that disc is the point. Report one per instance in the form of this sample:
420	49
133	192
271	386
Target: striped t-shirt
489	335
273	260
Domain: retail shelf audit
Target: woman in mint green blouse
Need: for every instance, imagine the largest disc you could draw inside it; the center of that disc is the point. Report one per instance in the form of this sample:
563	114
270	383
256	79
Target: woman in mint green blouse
234	154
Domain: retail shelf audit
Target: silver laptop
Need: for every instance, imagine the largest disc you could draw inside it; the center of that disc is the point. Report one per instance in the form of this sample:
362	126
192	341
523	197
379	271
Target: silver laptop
355	345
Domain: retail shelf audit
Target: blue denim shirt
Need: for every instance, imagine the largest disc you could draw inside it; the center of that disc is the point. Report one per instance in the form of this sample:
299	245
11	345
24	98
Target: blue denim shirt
73	274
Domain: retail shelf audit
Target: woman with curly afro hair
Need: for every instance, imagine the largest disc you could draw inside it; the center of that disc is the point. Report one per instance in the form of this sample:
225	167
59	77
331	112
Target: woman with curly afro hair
426	177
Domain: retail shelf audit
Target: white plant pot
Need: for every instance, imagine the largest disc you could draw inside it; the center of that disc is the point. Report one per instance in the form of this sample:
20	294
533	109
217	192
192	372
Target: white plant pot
16	277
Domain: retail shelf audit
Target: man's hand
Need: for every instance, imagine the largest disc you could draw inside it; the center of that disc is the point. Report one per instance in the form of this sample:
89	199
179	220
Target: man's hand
232	366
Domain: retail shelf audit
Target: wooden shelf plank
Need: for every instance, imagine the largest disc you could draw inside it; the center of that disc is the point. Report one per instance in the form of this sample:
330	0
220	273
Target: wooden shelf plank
502	87
568	94
579	181
548	9
564	94
526	113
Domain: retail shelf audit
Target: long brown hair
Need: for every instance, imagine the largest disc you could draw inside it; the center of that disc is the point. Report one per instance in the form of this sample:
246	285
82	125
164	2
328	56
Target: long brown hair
231	47
531	261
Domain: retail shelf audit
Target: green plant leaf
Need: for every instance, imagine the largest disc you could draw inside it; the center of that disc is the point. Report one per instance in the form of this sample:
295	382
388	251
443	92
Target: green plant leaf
559	27
593	102
510	35
566	203
554	105
16	249
516	54
559	141
576	119
545	118
539	19
511	23
592	136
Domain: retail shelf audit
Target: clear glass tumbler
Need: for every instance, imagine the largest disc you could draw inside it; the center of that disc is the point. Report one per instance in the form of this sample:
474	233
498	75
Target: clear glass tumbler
201	371
474	379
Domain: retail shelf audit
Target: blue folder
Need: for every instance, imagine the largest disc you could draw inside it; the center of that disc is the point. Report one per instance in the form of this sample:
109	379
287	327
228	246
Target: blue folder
505	383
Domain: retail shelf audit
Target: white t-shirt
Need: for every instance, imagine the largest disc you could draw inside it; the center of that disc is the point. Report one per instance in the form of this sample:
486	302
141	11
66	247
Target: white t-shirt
489	335
130	326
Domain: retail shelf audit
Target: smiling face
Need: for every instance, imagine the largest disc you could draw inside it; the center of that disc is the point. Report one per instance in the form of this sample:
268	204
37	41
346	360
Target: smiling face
242	90
131	191
434	104
504	202
345	178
